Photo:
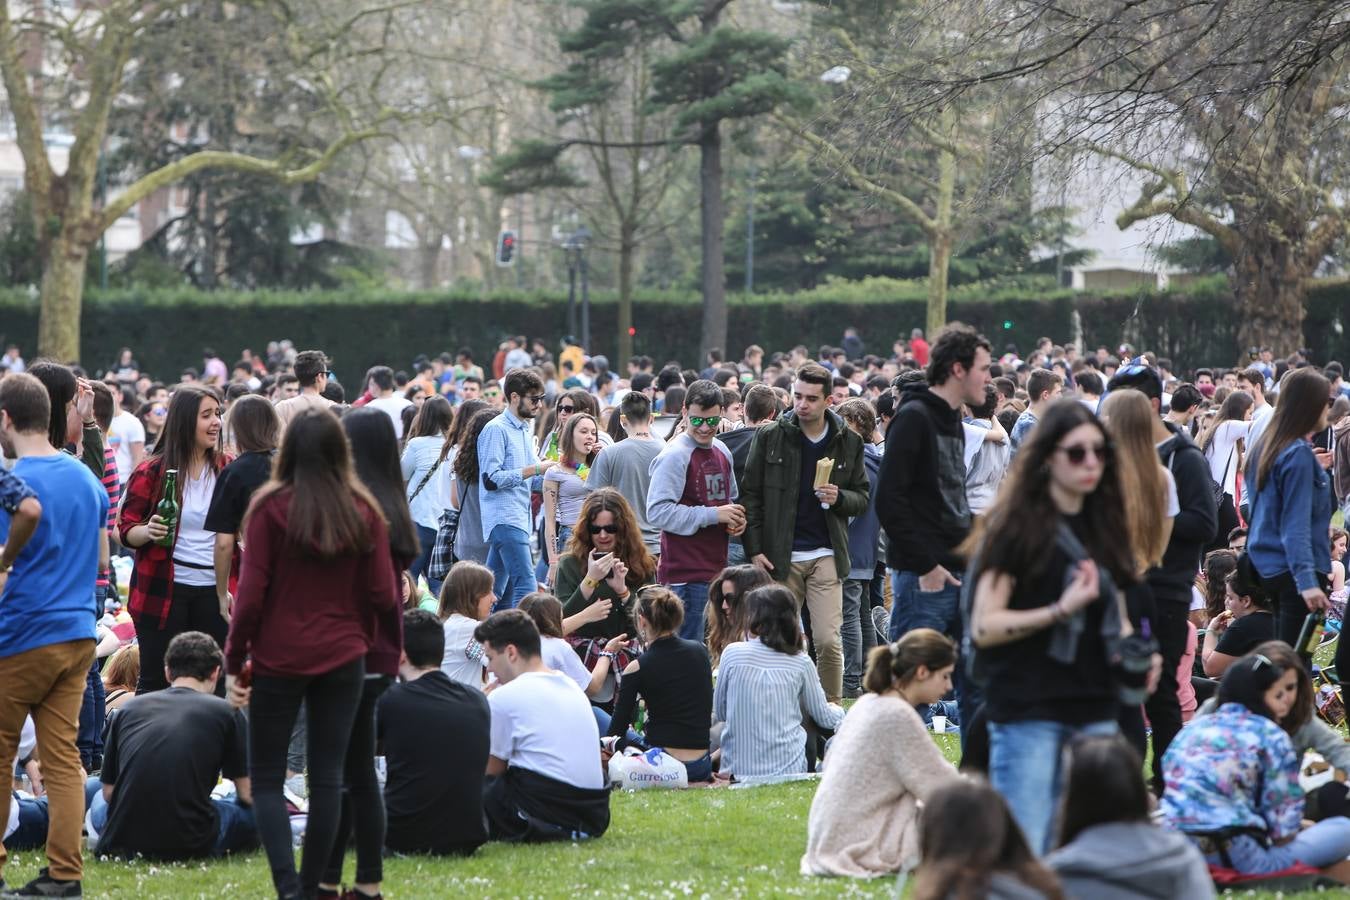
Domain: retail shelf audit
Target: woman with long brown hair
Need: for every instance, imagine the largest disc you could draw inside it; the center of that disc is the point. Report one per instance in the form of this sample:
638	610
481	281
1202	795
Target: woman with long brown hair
1291	505
1048	609
1151	488
566	485
423	456
173	588
316	579
726	607
605	561
1224	443
469	543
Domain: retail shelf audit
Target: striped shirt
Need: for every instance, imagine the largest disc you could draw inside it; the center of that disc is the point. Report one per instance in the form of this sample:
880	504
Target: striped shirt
113	486
761	695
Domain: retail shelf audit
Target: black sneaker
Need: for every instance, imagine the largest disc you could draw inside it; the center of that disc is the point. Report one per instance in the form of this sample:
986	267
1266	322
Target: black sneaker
46	886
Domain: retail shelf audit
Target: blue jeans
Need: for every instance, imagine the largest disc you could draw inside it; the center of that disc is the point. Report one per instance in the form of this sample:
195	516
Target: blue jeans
694	596
736	554
426	537
512	570
941	611
236	832
603	719
1321	845
89	738
1025	767
32	831
855	632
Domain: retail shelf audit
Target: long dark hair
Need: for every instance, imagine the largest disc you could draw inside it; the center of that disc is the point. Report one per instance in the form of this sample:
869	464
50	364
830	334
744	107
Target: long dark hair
177	444
723	628
314	466
771	615
1247	680
375	458
1302	404
466	460
967	833
1234	409
463	416
1006	543
61	388
1104	784
434	419
255	424
1304	708
628	545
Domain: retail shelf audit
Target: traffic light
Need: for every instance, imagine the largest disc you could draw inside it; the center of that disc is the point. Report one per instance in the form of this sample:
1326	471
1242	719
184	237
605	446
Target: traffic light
506	248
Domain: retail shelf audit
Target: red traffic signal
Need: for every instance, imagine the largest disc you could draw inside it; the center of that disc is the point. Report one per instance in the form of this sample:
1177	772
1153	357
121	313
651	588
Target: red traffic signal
506	248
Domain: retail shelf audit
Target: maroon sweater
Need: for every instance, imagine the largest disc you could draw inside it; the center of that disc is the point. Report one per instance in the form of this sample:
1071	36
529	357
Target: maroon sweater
297	614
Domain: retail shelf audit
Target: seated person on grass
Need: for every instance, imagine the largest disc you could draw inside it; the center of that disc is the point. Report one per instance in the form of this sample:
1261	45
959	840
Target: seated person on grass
545	781
164	754
434	734
1246	621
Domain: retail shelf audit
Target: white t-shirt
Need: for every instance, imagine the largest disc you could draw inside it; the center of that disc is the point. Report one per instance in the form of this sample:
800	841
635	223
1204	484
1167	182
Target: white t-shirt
392	406
542	721
1173	501
1222	453
1260	419
195	544
560	657
463	660
1198	600
124	431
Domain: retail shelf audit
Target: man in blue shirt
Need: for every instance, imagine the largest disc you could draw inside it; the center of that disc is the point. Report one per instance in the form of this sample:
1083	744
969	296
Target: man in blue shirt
47	616
506	463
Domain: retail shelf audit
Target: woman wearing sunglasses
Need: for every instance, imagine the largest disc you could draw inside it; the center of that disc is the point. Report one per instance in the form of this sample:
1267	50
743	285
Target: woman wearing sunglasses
1233	778
603	565
1046	612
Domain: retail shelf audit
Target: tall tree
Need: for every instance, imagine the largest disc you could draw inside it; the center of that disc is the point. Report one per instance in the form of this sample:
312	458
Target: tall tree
94	47
1232	112
704	70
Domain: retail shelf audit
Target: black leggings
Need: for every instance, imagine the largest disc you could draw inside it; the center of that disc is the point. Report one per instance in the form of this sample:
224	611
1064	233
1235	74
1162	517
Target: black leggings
331	701
361	797
193	608
1290	608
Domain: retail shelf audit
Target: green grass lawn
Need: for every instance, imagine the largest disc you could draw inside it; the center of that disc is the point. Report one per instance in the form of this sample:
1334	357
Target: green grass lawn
712	843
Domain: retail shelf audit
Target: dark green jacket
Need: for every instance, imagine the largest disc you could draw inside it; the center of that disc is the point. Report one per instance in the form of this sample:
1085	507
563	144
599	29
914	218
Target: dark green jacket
772	480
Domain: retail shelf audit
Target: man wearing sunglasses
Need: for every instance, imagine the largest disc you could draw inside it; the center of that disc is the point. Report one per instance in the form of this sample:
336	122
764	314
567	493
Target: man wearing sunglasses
689	500
797	531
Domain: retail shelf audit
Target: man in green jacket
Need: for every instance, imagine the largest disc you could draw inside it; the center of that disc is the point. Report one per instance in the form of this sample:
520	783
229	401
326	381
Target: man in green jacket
796	531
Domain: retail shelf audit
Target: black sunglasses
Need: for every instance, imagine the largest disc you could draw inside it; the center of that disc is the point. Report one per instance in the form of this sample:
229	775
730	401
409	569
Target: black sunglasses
607	529
566	409
1077	454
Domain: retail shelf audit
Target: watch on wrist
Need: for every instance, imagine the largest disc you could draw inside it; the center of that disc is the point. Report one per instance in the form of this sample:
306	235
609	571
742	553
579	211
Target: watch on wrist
590	582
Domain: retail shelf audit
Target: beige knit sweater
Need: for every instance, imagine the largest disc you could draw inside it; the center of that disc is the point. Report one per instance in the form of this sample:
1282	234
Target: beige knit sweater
881	765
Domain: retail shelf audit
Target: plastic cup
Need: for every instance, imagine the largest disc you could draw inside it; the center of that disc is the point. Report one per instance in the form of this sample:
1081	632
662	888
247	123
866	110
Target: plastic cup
939	724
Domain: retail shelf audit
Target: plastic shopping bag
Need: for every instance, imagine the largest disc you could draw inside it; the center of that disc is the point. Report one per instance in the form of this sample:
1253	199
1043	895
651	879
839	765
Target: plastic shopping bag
634	770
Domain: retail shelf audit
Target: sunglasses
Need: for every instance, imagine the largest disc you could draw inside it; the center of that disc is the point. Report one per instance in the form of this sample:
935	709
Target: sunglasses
607	529
700	421
1077	454
566	409
534	400
730	599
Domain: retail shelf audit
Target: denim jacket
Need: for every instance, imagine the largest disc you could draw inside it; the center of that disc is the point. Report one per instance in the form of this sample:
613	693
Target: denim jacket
1290	516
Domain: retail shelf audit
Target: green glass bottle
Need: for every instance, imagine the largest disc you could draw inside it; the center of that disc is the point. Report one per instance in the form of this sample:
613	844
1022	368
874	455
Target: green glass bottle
168	508
552	451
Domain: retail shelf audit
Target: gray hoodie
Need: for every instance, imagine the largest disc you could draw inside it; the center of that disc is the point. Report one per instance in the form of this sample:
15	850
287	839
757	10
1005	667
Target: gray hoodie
1131	861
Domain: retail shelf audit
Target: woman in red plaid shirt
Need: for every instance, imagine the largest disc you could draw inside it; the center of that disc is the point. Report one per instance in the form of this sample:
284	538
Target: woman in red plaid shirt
173	589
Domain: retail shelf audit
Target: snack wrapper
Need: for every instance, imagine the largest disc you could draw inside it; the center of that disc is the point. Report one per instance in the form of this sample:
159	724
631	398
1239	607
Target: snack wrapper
824	468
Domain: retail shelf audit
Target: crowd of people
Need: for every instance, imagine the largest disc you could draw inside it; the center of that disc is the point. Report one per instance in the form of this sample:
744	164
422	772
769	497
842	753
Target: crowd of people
247	607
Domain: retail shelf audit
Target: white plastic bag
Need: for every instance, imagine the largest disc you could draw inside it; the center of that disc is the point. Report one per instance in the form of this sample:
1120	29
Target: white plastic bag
634	770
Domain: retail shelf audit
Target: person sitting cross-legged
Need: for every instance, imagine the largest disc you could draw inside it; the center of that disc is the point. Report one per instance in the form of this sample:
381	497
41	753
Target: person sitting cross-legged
545	781
434	731
164	754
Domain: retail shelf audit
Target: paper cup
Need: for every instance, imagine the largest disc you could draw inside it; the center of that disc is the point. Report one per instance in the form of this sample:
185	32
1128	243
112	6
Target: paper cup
939	724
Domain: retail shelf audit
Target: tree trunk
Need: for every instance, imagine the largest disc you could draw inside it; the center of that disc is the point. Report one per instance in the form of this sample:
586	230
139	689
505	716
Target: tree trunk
939	260
714	332
62	295
429	262
627	250
1268	285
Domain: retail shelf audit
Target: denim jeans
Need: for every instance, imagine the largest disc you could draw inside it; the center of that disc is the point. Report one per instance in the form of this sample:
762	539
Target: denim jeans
512	570
694	595
940	610
426	538
1024	766
851	632
90	735
236	832
603	719
736	554
1323	844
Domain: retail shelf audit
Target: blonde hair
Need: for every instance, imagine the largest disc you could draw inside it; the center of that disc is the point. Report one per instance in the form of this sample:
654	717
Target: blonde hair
1129	422
466	582
123	669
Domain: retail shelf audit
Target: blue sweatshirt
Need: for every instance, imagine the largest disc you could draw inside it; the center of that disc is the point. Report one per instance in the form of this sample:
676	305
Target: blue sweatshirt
1290	516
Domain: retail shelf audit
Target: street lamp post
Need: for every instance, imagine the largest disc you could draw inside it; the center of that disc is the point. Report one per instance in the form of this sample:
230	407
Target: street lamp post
575	249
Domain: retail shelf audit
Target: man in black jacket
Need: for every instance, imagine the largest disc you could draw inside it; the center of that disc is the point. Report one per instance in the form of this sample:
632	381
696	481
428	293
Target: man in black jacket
921	492
761	408
1192	529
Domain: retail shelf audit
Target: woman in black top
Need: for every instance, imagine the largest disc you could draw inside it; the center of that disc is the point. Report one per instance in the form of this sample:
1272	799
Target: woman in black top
1247	620
674	677
1045	617
257	432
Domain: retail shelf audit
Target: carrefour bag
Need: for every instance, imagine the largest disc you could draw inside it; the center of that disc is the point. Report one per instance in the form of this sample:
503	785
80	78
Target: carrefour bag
634	770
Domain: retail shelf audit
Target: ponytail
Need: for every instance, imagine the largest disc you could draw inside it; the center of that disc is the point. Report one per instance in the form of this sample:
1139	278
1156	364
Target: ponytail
899	661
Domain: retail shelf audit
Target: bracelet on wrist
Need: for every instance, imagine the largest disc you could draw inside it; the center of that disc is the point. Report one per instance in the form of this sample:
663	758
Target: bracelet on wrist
590	582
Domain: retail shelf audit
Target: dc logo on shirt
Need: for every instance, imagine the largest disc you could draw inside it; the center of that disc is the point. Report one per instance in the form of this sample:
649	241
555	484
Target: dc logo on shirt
715	485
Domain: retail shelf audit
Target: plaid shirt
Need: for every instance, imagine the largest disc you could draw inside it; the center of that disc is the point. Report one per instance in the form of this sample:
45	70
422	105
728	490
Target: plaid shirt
150	594
13	491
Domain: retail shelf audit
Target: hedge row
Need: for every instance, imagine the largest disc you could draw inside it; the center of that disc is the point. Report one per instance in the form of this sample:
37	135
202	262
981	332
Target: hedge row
168	329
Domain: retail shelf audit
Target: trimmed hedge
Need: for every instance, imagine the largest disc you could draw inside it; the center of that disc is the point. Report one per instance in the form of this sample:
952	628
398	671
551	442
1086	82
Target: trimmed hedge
168	329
